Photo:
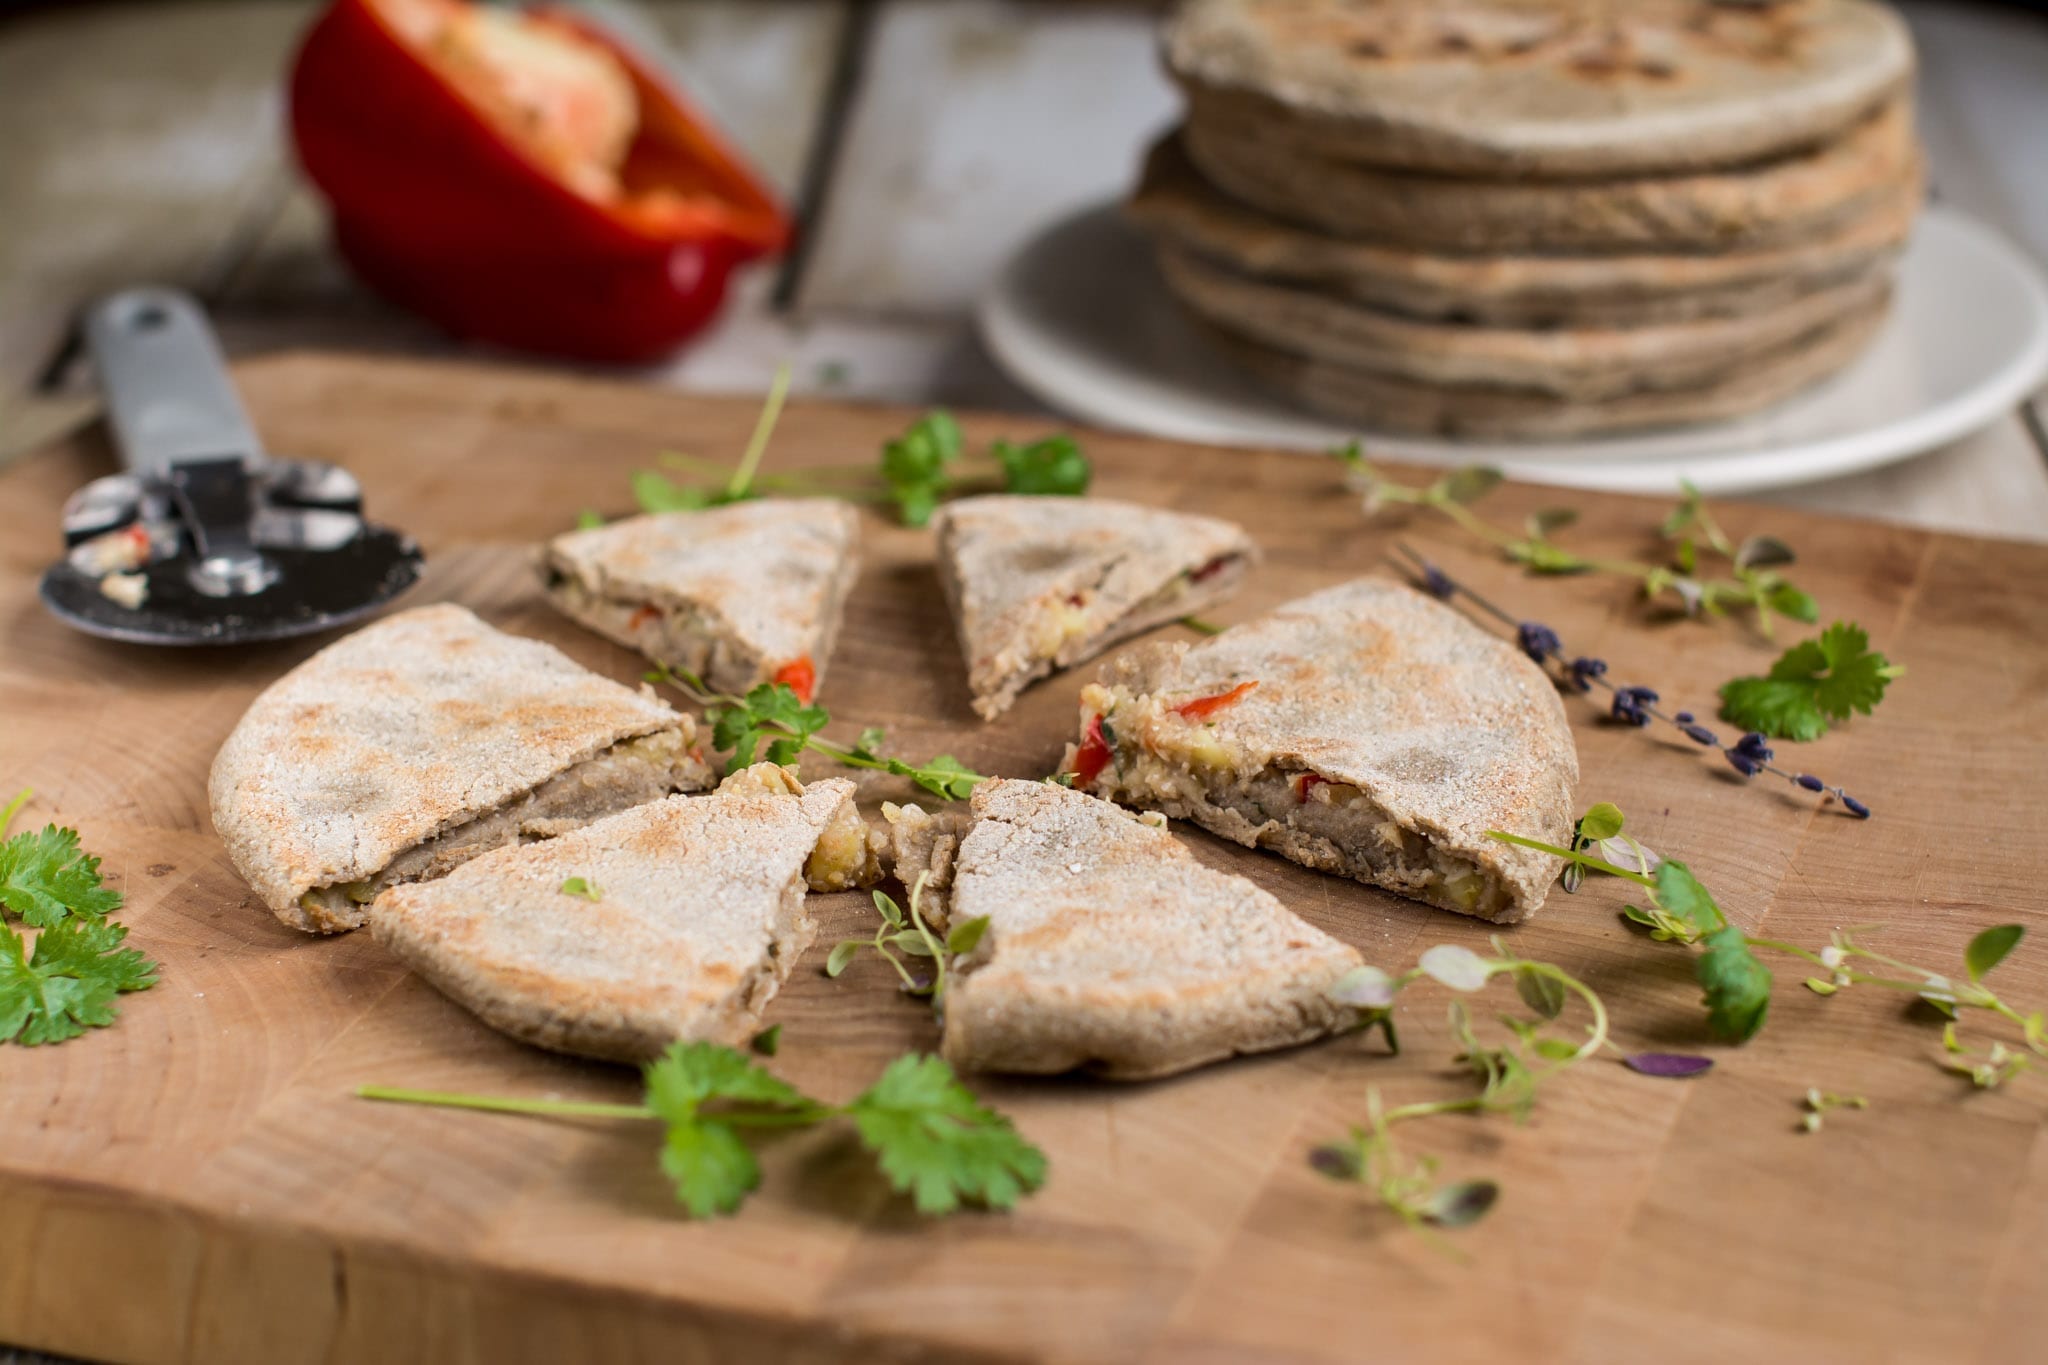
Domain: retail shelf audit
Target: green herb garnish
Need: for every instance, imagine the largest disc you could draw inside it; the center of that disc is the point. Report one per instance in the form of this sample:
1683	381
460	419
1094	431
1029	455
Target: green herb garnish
582	886
929	1136
1812	685
913	936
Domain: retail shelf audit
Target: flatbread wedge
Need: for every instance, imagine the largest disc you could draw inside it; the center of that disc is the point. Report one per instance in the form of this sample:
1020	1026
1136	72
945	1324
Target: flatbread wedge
675	921
739	595
1110	947
1038	584
409	747
1365	730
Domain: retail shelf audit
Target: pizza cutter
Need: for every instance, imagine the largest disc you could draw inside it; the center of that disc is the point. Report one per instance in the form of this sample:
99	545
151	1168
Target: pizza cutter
203	539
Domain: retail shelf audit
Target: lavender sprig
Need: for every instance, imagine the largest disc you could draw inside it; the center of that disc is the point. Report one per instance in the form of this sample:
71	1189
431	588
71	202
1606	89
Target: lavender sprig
1637	706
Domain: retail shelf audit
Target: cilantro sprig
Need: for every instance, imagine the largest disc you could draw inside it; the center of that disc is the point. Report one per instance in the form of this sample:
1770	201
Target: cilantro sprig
1812	685
930	1137
915	473
65	976
1751	578
770	723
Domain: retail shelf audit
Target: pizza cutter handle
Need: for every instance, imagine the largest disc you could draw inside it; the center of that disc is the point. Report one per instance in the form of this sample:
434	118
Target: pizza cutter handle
167	389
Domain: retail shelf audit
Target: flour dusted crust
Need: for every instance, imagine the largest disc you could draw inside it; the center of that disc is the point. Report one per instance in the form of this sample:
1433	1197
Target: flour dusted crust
1110	947
731	593
699	919
1042	583
1564	88
408	732
1386	735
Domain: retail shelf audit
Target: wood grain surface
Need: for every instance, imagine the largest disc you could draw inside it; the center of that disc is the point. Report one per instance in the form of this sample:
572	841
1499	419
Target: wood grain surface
198	1184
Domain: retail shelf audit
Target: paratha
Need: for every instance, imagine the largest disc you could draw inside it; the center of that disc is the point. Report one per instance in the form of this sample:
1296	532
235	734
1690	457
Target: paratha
1585	364
1541	87
675	921
1178	209
1796	198
1374	401
413	745
1040	583
1365	730
1110	947
743	594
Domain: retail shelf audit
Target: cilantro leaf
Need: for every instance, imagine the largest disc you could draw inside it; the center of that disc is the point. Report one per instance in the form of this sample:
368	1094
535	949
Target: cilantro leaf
914	465
935	1141
945	776
1738	987
712	1169
45	875
656	492
68	981
771	712
1680	893
1054	465
1816	682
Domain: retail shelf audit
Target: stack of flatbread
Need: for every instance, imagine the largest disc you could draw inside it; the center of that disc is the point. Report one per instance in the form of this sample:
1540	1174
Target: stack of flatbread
1535	218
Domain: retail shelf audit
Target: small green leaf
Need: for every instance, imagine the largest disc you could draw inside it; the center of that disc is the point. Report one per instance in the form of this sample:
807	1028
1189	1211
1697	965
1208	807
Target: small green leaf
1680	894
1789	601
1555	1049
1989	948
890	910
966	935
1364	987
1738	987
843	953
1949	1039
1461	1203
579	886
1540	991
589	519
1545	520
1763	552
1820	987
768	1041
1601	821
1468	484
1459	968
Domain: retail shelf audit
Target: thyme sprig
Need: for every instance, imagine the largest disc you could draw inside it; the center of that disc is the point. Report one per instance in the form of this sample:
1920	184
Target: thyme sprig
1637	706
772	723
1753	581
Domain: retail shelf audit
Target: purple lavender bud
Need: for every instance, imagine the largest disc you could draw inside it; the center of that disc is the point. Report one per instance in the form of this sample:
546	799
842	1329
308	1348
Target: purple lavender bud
1752	747
1810	782
1743	763
1671	1064
1629	703
1856	808
1539	642
1700	734
1437	583
1584	670
1683	717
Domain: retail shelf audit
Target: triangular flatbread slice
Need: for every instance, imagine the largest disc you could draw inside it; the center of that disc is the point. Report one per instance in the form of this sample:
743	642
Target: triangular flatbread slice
1365	730
1110	947
676	921
1038	584
407	748
739	595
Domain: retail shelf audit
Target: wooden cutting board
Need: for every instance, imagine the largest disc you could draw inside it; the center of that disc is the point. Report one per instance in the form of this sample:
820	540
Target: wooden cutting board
199	1184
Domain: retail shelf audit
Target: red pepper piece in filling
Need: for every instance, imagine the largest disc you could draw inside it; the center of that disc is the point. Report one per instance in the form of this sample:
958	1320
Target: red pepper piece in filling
799	676
1093	755
522	178
647	615
1201	708
1307	783
1209	570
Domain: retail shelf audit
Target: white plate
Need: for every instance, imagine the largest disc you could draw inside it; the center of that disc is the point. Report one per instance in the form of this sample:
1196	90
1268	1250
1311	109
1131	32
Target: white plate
1081	318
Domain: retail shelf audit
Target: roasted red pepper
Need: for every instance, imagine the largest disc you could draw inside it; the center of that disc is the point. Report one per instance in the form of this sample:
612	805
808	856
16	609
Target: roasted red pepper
645	615
1201	708
800	676
1093	755
522	178
1307	783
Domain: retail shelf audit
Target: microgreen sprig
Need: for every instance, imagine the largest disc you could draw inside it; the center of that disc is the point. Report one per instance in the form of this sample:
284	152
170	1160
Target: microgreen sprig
1508	1075
930	1137
1637	706
1753	583
1818	1102
914	936
772	724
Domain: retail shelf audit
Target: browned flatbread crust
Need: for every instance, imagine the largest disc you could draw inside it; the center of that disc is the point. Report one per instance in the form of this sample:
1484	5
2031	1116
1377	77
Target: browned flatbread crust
1384	736
1180	210
733	594
1042	583
401	734
1541	88
1110	947
698	920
